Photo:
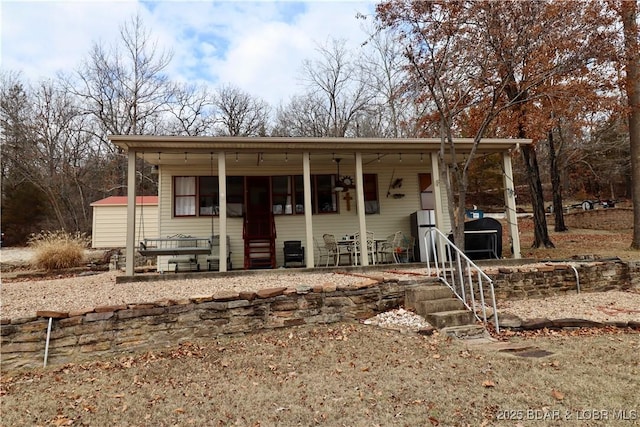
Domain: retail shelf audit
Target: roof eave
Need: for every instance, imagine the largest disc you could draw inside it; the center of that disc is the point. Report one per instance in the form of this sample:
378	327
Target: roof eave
203	144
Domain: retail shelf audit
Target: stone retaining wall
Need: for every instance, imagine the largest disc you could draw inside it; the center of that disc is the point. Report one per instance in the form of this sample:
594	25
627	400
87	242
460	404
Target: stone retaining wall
111	330
557	279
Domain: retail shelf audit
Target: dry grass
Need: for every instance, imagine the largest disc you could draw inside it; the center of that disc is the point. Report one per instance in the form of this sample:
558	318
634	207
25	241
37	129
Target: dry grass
347	374
54	250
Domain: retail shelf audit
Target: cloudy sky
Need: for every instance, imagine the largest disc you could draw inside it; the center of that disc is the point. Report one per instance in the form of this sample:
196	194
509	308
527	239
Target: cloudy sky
258	46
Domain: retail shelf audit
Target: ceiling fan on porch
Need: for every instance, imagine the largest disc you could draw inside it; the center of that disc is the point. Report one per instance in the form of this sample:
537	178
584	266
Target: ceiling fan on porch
343	183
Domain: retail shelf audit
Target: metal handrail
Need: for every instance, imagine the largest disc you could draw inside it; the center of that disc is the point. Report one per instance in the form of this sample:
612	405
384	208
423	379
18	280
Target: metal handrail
451	269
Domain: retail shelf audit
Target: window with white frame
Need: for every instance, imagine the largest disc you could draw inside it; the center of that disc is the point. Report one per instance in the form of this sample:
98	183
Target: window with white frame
202	191
199	195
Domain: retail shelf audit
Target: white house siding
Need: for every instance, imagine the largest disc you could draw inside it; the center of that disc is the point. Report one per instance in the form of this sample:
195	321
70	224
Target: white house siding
110	225
394	212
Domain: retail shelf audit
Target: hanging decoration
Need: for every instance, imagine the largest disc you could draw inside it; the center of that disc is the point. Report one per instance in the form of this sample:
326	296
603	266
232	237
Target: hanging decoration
394	184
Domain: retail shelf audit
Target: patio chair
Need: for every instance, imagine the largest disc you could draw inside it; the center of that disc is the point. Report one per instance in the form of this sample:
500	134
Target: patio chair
405	248
390	248
321	252
293	252
334	250
371	247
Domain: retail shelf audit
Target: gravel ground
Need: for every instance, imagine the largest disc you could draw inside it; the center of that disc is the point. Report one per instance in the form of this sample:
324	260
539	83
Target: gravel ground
611	306
24	298
15	255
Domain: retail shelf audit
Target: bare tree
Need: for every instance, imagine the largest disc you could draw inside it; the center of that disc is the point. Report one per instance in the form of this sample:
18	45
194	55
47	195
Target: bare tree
124	86
339	85
393	110
239	113
48	147
192	111
23	204
302	116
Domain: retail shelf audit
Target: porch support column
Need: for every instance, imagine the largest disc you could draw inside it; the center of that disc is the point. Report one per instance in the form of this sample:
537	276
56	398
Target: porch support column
510	202
364	254
437	192
437	209
308	222
131	213
222	209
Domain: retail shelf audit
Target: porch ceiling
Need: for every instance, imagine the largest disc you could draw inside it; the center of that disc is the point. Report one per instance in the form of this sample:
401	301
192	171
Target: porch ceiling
176	149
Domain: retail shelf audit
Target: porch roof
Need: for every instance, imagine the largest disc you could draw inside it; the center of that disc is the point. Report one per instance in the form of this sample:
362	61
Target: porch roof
210	144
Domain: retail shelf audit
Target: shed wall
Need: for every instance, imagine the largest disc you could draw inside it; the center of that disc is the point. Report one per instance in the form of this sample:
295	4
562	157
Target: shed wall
110	225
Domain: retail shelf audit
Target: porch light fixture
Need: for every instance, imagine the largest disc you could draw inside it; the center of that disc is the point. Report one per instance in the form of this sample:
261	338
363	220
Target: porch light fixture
400	157
339	187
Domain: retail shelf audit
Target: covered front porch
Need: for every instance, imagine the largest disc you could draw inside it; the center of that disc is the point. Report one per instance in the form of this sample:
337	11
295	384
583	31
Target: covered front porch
303	188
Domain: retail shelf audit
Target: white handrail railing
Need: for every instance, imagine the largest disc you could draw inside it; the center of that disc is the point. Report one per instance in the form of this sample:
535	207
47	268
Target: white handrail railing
451	267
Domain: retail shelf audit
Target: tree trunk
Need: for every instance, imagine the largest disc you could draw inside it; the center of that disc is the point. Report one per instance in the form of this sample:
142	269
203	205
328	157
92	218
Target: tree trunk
629	12
541	234
556	186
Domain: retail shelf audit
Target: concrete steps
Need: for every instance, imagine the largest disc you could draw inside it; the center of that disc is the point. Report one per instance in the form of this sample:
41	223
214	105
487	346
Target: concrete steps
442	309
473	332
444	319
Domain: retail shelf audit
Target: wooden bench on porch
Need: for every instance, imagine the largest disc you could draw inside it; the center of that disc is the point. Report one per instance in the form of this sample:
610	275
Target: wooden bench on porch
184	249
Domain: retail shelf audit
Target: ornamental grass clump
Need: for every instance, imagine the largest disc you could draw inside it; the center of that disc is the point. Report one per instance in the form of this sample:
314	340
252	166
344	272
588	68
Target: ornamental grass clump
58	249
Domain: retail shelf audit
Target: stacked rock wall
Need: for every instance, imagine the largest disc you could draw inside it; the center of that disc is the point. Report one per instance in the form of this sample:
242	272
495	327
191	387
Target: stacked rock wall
557	279
111	330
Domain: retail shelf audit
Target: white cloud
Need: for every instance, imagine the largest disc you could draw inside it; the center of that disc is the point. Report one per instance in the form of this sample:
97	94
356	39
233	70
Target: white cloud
257	46
42	38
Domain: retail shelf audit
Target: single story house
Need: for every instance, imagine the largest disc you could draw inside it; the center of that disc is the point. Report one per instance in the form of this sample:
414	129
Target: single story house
254	191
110	220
